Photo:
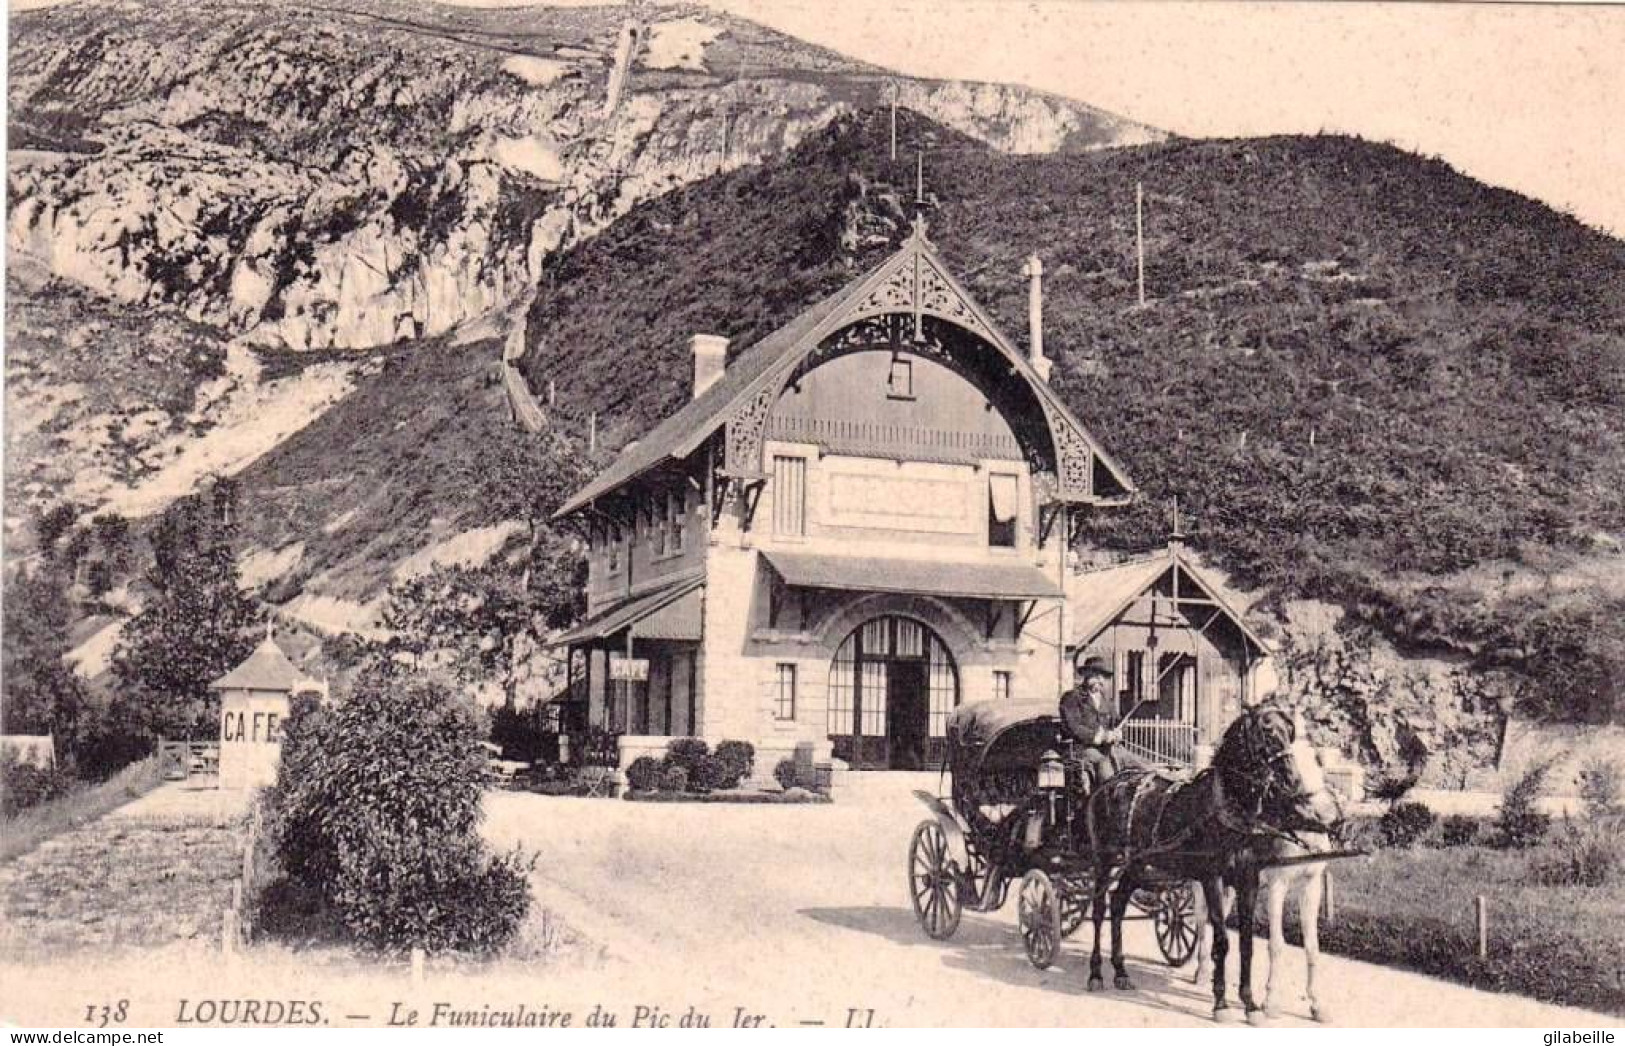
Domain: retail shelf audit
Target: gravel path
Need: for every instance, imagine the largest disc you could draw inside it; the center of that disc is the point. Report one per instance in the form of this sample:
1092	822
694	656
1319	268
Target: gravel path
801	912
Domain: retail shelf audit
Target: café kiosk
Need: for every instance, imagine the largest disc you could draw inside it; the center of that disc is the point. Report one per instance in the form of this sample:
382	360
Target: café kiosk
254	699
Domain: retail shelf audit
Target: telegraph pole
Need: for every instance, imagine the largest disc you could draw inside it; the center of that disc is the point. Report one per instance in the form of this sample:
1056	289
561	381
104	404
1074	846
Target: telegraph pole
894	123
1139	235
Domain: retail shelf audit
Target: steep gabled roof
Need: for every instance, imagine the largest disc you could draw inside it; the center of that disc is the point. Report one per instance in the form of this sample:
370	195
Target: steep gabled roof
267	668
686	430
683	432
1101	595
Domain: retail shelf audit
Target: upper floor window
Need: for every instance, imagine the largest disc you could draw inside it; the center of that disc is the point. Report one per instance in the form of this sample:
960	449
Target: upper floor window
900	380
675	521
614	536
1002	504
789	496
1001	685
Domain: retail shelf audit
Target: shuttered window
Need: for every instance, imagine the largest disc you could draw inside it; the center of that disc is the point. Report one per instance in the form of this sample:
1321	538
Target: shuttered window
1001	685
1002	501
789	496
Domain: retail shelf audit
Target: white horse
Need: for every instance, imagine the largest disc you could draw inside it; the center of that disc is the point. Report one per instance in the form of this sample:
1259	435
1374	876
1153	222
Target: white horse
1306	878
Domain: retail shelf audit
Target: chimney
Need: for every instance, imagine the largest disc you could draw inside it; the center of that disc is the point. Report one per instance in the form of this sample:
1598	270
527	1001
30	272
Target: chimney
1034	271
710	357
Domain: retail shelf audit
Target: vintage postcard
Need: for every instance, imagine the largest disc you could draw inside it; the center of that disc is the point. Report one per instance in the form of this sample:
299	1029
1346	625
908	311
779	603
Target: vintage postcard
813	513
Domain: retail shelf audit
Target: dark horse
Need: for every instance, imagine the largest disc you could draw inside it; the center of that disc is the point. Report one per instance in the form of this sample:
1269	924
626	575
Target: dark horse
1148	828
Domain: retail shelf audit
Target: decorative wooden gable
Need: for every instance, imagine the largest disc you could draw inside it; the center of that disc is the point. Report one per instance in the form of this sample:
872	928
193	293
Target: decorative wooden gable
916	284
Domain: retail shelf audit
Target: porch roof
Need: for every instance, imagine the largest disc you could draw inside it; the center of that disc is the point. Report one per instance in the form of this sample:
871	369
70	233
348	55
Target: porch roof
926	577
1101	595
669	612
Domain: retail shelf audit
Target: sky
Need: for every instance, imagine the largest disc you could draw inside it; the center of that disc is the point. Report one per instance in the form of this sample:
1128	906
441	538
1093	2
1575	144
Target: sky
1530	96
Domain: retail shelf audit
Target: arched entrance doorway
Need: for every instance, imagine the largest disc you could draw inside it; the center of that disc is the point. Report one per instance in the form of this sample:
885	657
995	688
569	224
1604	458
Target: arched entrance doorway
892	687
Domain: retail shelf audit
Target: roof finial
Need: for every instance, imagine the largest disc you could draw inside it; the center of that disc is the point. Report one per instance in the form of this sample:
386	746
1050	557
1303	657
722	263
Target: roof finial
270	627
1176	540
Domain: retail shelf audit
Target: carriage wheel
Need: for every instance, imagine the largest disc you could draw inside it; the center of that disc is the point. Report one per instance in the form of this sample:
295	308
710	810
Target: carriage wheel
1074	907
1174	921
933	885
1038	915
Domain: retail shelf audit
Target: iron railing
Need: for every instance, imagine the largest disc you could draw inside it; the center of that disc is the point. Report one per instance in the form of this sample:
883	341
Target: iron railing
1161	741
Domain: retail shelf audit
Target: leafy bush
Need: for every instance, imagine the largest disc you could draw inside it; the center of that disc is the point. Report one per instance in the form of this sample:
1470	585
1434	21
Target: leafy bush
709	775
785	774
673	779
739	759
1519	824
23	785
1391	787
409	889
1458	830
686	752
1591	854
644	774
376	810
1404	824
1602	787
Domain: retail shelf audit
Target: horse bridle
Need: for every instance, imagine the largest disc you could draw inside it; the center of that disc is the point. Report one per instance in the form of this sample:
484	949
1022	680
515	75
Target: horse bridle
1272	789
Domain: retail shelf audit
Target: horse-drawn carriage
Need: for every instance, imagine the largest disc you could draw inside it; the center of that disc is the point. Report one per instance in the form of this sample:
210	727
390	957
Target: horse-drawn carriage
1014	813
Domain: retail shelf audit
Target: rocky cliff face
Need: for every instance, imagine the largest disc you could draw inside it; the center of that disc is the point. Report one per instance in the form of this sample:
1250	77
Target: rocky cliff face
353	175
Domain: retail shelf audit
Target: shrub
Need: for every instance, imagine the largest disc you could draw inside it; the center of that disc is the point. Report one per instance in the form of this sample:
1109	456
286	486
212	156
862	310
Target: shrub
674	779
1519	824
376	810
1458	830
1602	787
408	889
23	785
1391	787
785	774
1582	855
1404	824
644	774
686	752
709	775
738	759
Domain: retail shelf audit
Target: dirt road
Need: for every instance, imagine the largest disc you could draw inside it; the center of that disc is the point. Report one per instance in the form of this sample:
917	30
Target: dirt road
801	913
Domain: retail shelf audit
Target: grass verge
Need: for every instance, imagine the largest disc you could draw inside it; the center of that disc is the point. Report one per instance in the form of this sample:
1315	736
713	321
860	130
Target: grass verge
1413	908
20	834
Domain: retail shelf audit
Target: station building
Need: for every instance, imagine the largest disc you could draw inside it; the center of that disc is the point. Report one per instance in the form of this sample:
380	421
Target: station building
857	524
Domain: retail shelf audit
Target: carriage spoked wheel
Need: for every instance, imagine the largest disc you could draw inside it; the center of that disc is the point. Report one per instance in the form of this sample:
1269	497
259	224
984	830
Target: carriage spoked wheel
933	882
1038	916
1174	921
1074	907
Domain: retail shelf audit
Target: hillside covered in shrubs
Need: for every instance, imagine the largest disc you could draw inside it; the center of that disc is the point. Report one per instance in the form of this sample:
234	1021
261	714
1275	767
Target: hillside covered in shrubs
1367	378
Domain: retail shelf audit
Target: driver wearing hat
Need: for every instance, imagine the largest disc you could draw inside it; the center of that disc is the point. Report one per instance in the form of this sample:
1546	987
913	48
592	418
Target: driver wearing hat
1084	718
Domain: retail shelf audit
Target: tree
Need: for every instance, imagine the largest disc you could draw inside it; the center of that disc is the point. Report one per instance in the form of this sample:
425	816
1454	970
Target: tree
53	523
479	623
42	694
197	625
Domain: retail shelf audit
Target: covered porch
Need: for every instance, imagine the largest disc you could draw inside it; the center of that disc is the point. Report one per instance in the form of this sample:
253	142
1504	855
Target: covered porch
633	673
1184	660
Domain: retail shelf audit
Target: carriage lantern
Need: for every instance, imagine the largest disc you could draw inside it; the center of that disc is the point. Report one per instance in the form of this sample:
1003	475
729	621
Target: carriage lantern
1051	771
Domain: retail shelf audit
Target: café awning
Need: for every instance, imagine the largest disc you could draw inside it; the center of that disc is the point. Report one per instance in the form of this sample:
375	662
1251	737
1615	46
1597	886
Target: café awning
669	612
913	576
